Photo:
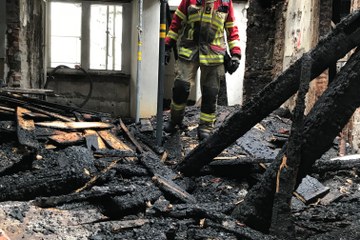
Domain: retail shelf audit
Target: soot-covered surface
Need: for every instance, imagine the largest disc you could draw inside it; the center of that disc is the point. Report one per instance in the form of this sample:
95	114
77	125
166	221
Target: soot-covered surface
124	203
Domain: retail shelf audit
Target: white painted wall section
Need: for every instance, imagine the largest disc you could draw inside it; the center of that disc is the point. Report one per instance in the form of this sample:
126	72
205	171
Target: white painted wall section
150	55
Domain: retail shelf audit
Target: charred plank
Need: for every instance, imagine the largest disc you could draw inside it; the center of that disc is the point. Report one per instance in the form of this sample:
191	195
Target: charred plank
74	125
26	129
113	141
171	188
164	176
341	163
95	193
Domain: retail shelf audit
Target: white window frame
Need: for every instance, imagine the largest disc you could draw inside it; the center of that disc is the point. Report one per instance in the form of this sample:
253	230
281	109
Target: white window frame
85	34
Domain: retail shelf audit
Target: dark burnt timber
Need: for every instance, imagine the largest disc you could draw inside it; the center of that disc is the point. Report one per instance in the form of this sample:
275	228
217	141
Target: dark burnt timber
282	222
323	166
334	46
329	115
134	202
26	129
66	174
93	194
163	177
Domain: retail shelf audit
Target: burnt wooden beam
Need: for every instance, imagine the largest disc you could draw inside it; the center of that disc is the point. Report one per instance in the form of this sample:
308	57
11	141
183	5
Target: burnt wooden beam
327	118
215	211
74	125
94	193
171	188
113	141
26	129
139	148
282	223
341	163
27	91
344	37
164	177
50	180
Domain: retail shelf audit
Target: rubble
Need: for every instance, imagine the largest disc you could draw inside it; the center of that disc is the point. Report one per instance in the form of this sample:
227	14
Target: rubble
112	185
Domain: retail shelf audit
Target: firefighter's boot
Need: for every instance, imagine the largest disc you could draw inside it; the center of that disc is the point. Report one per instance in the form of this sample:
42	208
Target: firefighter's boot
176	119
204	130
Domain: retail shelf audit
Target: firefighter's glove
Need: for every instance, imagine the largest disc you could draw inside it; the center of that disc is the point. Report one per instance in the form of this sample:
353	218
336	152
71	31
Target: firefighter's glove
234	64
167	54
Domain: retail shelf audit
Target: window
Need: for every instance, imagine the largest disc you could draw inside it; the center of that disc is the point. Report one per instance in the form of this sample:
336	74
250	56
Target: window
89	34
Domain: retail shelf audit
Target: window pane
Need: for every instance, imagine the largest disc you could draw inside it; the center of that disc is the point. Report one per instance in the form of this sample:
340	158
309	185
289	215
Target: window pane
105	37
65	34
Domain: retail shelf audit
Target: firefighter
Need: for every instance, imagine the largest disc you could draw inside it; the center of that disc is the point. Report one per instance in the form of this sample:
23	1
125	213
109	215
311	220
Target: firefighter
198	29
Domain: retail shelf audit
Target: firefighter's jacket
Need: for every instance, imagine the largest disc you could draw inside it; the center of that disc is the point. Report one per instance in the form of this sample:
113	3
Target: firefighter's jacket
200	26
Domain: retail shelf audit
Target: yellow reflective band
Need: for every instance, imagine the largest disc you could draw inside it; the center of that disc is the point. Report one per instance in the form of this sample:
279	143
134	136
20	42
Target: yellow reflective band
210	59
229	24
217	41
162	34
139	43
177	107
194	18
185	52
180	14
139	56
207	18
173	35
191	34
207	117
162	26
218	23
234	43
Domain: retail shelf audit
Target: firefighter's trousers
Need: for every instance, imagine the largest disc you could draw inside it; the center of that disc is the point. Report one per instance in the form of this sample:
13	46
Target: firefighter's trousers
210	78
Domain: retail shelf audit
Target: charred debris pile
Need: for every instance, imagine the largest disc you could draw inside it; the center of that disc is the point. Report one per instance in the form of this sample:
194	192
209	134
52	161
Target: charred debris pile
53	156
56	157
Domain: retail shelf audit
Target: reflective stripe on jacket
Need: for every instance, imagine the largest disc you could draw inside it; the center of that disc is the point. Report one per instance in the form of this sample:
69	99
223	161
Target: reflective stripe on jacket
200	27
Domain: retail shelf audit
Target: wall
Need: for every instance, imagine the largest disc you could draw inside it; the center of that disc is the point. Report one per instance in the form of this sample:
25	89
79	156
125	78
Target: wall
301	33
24	53
2	39
13	53
150	55
109	93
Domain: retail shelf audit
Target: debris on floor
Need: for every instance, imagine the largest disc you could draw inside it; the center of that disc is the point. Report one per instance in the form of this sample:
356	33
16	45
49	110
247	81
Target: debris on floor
74	174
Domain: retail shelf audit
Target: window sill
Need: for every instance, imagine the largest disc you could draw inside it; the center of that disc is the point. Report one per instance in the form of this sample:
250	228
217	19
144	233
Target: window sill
71	71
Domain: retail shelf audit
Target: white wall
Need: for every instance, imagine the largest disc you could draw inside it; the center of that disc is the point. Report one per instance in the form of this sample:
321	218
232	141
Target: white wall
150	55
2	36
300	32
235	81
